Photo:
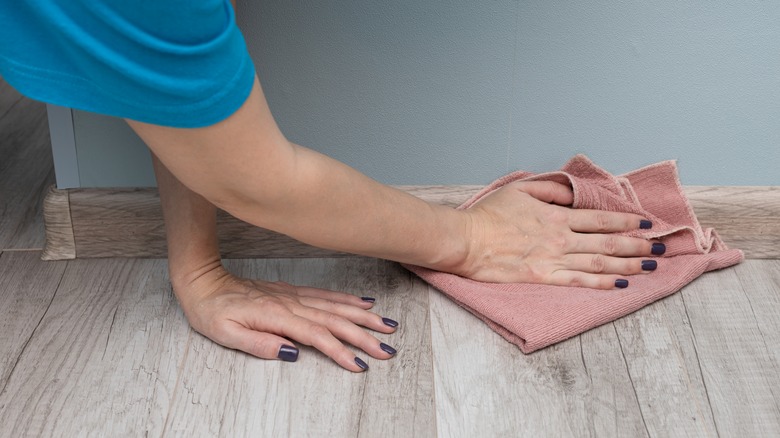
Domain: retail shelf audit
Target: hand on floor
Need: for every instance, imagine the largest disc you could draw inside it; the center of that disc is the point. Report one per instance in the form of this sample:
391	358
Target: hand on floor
256	316
520	235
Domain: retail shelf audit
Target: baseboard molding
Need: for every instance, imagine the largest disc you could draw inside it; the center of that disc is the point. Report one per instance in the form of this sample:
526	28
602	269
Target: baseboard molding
88	223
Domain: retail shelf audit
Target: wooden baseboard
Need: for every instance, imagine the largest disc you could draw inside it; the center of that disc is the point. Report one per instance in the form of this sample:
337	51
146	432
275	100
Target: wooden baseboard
87	223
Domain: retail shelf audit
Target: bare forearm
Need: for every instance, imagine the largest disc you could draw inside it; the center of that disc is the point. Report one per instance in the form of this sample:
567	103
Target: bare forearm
190	227
246	166
327	204
260	177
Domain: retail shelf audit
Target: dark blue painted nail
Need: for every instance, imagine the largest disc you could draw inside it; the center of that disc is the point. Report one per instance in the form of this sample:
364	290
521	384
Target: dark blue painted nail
658	248
368	299
361	364
649	265
389	322
387	349
645	224
288	353
621	283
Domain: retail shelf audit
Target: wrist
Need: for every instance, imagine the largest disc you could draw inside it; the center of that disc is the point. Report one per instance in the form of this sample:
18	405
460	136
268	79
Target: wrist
190	279
453	253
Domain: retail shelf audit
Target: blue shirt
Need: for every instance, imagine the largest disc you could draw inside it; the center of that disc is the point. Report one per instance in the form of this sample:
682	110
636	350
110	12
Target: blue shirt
179	63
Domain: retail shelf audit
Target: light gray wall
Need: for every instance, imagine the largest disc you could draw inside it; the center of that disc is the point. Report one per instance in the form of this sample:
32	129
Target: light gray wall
433	92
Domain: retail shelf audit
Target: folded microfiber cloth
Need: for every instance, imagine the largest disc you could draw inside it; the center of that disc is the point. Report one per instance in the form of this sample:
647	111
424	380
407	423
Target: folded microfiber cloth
534	316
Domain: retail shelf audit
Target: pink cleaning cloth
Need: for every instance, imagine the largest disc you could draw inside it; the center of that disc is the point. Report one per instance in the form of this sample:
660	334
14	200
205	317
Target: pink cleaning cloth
534	316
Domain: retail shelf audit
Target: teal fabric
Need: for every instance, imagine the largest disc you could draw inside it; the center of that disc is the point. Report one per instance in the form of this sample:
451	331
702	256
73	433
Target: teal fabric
180	63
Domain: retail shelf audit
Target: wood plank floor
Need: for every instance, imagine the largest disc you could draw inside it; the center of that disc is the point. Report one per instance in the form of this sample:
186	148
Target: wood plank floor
99	347
26	169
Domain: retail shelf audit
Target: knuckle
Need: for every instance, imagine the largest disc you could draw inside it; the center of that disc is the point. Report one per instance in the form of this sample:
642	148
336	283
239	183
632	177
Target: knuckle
556	215
330	305
610	245
559	242
319	331
598	264
332	319
603	221
576	281
268	305
217	328
537	273
260	347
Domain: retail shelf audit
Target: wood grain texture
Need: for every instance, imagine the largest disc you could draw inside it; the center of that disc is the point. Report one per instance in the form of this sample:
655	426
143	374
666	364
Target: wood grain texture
26	288
733	326
223	393
659	350
745	217
60	243
113	356
699	363
105	357
128	222
8	97
26	169
486	386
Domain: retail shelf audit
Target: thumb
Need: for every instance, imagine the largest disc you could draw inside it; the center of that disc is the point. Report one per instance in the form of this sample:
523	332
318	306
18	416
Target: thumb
547	191
260	344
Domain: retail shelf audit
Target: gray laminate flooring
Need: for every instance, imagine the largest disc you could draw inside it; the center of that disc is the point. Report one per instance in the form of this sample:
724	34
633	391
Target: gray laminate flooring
101	348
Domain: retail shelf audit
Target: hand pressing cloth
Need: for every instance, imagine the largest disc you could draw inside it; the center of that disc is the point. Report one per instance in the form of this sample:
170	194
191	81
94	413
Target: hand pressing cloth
534	316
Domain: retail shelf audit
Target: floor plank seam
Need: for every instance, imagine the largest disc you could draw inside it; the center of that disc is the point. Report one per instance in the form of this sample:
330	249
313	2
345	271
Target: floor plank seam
175	392
631	379
582	357
362	403
698	362
110	328
763	341
21	98
430	290
32	334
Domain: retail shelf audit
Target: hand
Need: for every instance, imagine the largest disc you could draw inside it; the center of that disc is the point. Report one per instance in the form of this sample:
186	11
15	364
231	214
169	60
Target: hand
256	316
520	235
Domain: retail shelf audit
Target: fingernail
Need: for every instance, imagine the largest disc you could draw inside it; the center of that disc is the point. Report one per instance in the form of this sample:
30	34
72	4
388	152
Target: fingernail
368	299
389	322
658	248
645	224
361	364
621	283
288	353
649	265
387	349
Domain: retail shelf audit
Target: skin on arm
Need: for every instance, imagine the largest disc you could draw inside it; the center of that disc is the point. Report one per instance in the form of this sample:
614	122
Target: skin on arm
245	166
252	315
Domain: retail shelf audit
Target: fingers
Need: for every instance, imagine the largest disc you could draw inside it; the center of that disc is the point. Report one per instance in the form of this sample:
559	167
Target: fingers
614	245
365	302
547	191
323	337
355	315
597	221
259	344
601	264
325	320
346	330
584	279
318	329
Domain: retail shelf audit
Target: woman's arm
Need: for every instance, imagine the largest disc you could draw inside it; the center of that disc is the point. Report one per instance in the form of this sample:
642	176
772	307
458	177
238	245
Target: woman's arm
258	317
247	167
